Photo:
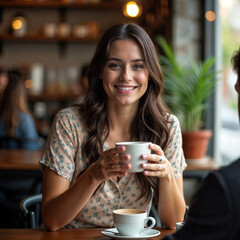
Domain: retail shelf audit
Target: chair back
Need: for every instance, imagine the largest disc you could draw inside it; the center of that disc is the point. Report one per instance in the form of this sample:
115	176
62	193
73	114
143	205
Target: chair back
30	208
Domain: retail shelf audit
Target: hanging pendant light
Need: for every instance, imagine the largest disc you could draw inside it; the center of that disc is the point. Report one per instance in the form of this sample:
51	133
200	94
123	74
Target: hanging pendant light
132	8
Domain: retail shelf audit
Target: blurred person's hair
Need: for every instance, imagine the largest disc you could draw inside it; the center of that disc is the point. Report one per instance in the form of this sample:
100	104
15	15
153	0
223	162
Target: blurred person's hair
13	100
150	123
83	77
236	62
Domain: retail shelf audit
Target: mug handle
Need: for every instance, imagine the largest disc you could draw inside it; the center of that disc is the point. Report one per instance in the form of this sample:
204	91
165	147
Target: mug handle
145	222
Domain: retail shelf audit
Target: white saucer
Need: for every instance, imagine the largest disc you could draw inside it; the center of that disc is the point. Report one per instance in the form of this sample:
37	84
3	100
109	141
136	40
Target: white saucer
113	233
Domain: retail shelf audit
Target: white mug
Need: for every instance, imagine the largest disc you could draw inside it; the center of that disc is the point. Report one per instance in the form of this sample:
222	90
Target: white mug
131	222
135	150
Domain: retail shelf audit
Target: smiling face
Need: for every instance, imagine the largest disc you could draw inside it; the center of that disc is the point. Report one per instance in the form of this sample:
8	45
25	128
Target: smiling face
125	75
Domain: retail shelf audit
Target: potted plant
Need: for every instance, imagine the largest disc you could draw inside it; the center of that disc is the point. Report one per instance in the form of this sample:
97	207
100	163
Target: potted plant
186	91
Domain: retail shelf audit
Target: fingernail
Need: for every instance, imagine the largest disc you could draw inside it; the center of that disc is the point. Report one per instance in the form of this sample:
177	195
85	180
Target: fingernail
144	165
144	156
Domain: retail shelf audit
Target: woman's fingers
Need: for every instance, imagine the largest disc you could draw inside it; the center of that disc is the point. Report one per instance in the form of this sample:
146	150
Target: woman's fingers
157	149
157	164
156	169
113	151
111	164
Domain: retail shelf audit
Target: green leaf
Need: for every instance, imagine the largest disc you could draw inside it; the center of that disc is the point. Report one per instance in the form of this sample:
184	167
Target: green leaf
186	88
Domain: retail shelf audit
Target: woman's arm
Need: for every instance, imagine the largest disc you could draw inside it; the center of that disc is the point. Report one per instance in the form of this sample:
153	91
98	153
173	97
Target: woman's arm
61	203
171	203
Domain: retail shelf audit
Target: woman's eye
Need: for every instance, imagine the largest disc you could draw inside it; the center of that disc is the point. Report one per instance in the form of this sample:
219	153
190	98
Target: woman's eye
114	66
138	66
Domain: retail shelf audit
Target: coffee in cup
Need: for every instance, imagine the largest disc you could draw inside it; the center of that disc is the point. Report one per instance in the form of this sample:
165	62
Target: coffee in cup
135	150
131	222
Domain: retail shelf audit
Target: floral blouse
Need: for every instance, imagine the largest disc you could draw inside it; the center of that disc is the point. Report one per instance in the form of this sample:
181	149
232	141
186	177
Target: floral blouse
62	154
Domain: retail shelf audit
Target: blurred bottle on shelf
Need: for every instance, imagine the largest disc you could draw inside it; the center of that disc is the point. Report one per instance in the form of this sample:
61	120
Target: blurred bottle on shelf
37	77
51	87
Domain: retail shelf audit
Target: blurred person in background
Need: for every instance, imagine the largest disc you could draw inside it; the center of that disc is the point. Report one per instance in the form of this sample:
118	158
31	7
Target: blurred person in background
215	209
17	127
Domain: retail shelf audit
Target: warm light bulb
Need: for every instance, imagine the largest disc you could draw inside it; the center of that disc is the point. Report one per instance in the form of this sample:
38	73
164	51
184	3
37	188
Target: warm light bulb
132	9
16	24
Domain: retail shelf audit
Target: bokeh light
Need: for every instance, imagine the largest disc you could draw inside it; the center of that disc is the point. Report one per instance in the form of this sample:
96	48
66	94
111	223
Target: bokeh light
28	83
210	16
132	9
16	24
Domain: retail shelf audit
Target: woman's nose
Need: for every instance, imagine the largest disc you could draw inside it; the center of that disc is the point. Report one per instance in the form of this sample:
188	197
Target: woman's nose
126	74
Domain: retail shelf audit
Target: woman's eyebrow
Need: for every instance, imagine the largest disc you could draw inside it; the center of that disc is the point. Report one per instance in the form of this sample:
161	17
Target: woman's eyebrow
119	60
113	59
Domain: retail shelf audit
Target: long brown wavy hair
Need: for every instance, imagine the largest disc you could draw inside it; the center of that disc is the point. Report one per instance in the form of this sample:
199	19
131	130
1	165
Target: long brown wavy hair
12	100
150	122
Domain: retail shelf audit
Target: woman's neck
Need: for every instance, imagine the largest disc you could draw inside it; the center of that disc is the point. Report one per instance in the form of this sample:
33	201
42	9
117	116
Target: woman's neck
120	120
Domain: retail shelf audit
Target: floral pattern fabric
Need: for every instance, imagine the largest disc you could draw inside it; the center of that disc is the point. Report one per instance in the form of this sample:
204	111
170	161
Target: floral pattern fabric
62	154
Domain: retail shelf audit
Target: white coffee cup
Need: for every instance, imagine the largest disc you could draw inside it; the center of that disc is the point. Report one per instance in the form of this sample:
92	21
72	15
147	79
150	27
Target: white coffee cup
135	150
131	222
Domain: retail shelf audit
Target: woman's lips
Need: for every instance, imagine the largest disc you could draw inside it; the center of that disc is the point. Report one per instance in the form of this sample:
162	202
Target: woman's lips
125	89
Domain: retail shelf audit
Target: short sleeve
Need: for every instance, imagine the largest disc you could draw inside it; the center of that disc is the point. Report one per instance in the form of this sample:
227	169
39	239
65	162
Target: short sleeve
60	150
174	151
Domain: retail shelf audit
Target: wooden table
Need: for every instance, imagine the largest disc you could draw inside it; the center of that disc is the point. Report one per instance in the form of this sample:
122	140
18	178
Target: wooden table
19	159
199	171
64	234
208	165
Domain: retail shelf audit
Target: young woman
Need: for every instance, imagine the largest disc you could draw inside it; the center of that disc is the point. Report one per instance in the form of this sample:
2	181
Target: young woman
84	177
17	127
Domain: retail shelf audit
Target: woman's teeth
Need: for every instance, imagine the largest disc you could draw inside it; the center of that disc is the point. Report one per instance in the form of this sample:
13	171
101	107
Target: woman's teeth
125	88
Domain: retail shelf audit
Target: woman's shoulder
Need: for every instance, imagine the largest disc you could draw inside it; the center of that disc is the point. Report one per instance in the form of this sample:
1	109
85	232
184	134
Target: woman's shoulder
173	119
71	114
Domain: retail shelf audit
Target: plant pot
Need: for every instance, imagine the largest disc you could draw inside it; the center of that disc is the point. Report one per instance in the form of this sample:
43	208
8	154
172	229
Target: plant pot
195	145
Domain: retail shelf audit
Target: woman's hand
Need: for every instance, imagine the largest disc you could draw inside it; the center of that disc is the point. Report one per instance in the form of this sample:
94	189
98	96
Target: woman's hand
157	165
110	164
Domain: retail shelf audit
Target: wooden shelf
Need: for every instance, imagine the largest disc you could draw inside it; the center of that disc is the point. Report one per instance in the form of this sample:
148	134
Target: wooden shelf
61	4
42	38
